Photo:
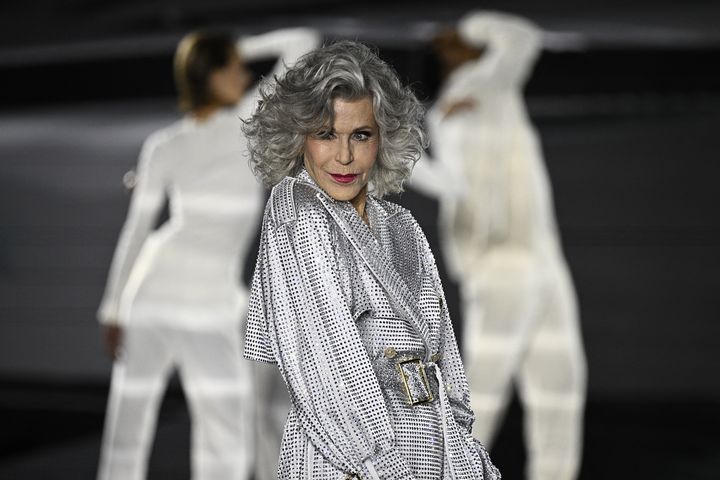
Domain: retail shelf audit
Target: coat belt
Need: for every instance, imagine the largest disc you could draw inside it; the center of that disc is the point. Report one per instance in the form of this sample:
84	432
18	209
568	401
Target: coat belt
406	373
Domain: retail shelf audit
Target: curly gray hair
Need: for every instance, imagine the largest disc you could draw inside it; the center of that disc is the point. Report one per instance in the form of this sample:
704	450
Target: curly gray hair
300	102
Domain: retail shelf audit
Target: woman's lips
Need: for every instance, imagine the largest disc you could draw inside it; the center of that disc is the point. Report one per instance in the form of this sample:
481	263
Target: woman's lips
343	178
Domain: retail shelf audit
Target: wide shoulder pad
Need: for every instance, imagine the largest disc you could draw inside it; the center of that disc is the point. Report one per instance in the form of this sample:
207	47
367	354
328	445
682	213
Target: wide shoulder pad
290	196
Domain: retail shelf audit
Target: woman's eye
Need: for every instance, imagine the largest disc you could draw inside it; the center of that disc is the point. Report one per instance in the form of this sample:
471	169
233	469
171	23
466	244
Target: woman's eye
361	136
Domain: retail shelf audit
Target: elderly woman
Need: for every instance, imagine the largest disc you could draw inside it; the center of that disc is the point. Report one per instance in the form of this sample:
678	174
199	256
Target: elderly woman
346	298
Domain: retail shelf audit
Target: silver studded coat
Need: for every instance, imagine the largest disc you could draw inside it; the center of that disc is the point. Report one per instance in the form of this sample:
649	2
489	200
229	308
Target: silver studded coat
337	305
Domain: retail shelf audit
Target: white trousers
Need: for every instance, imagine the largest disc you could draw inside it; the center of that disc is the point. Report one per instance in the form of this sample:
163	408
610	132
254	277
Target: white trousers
521	327
218	384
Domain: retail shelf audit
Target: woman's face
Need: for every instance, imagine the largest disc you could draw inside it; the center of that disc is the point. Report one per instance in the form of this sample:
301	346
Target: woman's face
340	156
228	84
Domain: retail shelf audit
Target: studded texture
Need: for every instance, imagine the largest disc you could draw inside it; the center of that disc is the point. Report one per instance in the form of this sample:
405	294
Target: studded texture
329	298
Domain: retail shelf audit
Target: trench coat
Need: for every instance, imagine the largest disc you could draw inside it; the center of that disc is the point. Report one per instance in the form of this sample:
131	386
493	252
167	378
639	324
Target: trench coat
339	306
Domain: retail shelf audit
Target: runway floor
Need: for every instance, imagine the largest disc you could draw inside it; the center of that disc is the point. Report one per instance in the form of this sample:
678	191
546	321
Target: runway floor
623	440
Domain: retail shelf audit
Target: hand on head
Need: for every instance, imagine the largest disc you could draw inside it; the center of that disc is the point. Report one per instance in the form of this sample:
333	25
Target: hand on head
453	51
113	339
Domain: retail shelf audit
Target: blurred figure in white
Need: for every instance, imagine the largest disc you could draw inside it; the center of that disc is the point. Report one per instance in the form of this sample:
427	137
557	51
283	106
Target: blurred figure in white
501	242
174	299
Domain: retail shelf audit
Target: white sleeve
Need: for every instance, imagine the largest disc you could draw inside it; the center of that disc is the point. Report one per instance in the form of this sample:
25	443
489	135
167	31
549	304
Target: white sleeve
287	45
433	178
145	205
425	175
437	176
512	42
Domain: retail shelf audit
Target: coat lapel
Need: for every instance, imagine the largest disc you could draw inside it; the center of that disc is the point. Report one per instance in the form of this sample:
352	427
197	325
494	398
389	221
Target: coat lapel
376	259
377	252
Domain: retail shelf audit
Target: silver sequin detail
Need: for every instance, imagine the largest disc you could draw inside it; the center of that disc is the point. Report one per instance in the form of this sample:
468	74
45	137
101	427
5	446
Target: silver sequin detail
328	297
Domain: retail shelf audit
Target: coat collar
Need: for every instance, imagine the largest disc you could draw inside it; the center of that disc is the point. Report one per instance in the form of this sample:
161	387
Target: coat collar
374	247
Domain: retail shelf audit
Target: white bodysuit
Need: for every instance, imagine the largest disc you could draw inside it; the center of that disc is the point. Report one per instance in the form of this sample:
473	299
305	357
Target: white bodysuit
501	244
176	291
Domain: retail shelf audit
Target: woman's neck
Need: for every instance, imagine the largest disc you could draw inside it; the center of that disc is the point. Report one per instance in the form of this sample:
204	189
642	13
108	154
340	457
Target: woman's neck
360	204
203	113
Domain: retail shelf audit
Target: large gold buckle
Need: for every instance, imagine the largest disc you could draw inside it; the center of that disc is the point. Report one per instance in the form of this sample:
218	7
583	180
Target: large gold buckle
410	369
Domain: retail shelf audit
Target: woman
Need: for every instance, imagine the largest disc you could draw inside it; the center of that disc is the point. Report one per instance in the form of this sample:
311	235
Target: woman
502	245
173	298
346	298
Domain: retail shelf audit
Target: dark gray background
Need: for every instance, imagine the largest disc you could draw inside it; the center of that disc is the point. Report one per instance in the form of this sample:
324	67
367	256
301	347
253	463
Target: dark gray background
628	106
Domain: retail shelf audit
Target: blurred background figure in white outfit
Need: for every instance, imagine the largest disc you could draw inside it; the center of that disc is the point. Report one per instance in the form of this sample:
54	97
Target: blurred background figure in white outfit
501	241
174	299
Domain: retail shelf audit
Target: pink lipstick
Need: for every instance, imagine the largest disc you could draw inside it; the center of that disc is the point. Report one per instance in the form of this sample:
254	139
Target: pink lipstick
343	178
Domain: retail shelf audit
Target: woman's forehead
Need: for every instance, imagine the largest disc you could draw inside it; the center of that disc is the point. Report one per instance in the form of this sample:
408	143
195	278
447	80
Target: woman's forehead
353	113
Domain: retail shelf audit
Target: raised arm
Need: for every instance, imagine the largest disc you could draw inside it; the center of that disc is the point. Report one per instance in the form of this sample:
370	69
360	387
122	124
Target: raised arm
512	43
147	200
287	45
314	340
438	176
428	177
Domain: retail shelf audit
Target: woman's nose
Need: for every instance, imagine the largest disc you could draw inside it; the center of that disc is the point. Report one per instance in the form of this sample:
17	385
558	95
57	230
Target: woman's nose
344	153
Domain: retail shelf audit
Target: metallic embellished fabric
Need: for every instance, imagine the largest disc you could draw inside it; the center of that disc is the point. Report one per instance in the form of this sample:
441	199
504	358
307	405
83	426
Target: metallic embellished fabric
338	306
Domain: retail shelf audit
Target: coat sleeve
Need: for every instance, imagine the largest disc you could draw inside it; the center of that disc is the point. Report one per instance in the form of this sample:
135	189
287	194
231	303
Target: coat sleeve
146	203
299	309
